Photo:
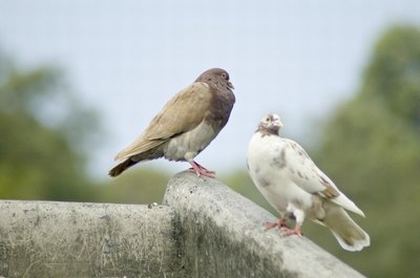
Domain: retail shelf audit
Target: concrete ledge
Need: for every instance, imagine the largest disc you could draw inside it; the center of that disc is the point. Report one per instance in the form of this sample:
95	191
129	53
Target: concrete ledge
204	229
54	239
223	236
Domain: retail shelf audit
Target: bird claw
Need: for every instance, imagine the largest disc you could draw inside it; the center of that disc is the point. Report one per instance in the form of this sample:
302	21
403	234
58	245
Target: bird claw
280	223
204	173
201	171
269	225
295	231
282	226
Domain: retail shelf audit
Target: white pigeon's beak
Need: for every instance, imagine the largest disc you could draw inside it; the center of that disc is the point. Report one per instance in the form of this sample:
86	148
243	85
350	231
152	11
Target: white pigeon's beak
278	123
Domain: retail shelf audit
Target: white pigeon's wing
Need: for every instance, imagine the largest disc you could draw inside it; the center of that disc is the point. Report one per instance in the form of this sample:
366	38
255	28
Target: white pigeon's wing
302	170
305	174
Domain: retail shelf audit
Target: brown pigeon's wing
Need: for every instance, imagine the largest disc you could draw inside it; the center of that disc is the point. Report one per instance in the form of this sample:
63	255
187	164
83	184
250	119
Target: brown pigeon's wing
182	113
138	146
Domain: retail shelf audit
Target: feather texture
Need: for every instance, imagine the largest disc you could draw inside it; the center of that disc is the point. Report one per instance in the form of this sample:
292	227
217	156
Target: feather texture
292	183
186	124
182	113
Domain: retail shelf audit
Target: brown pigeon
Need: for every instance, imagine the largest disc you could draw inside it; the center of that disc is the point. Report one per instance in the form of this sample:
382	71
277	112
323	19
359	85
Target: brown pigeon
186	124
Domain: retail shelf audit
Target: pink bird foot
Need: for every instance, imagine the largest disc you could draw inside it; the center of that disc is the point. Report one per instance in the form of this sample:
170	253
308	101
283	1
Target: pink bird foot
201	171
280	223
295	231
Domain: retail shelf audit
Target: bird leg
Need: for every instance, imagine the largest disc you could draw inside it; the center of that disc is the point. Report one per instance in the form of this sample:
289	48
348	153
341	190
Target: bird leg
295	231
200	170
280	223
299	216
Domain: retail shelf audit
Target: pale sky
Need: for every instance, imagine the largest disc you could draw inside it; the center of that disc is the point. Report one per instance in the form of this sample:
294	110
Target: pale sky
127	58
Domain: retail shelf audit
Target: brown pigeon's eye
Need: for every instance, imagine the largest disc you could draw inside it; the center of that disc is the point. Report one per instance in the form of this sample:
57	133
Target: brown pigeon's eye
224	76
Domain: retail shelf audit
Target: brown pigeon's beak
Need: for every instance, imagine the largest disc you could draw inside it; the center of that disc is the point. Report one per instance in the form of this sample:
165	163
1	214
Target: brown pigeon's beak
230	85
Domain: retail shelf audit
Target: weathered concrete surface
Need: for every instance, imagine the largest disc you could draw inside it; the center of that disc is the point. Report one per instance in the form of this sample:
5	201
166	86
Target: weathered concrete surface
204	230
222	236
54	239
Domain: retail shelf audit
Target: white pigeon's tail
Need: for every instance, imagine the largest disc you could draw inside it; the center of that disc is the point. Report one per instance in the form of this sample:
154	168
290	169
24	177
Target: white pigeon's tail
350	236
348	204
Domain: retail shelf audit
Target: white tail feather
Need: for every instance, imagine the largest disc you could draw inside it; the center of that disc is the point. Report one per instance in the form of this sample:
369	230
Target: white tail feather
348	204
357	246
348	234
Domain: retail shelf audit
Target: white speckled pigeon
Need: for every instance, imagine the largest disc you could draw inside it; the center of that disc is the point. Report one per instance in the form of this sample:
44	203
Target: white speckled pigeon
295	187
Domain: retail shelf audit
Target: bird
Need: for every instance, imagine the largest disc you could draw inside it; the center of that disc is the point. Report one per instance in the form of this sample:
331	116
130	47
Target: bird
291	182
185	126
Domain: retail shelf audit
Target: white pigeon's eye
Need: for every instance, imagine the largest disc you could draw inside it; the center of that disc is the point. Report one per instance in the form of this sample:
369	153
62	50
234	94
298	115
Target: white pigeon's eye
267	119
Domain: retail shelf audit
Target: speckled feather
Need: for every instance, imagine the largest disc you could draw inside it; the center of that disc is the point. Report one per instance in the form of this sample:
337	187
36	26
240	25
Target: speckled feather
292	183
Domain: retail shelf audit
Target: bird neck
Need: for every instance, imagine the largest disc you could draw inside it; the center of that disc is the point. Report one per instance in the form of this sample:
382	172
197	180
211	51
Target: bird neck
268	131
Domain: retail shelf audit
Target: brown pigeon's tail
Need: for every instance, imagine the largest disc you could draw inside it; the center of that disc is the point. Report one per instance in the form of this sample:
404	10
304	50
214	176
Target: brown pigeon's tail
132	160
121	167
350	236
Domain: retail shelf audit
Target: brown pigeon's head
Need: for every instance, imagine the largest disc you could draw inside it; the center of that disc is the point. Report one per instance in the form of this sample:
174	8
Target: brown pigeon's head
217	78
271	124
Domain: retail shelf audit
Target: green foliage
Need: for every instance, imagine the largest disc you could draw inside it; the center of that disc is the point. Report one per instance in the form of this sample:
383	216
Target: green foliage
371	148
393	74
44	144
38	158
137	186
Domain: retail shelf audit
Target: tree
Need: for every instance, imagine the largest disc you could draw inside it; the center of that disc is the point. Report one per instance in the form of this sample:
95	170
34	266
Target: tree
43	130
371	148
393	74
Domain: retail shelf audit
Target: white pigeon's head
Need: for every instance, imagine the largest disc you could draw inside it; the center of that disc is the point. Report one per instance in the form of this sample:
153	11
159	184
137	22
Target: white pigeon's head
270	124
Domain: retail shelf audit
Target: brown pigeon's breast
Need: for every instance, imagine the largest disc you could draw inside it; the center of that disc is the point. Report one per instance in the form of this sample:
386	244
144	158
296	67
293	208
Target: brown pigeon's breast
189	144
220	108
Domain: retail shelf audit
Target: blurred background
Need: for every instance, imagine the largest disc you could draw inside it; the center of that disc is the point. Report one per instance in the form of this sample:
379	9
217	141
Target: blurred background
79	80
